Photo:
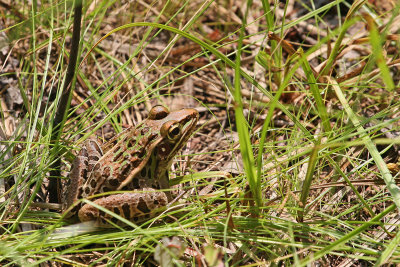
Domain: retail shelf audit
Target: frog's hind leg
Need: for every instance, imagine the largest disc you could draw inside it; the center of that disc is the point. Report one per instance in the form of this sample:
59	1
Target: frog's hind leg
133	206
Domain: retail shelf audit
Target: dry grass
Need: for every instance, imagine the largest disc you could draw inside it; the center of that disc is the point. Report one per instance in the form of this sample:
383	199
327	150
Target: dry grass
296	153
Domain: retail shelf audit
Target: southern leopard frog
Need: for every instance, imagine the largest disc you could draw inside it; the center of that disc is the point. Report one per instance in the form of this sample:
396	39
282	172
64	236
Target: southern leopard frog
137	160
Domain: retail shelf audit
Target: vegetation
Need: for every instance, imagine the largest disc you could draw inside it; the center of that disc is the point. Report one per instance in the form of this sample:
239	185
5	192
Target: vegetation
295	156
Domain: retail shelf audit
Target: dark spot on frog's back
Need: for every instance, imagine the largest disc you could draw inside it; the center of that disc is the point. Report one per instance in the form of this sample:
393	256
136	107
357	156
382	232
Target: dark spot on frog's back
144	130
106	189
117	211
93	183
126	210
125	169
94	157
84	173
142	206
115	220
87	190
113	182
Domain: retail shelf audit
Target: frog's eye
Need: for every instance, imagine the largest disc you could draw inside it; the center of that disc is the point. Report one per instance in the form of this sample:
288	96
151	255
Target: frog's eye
174	131
171	130
158	112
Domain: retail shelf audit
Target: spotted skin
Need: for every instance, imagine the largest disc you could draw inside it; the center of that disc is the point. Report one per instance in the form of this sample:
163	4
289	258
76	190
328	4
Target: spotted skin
136	161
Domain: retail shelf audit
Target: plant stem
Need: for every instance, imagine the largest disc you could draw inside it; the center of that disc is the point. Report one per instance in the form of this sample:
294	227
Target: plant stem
63	106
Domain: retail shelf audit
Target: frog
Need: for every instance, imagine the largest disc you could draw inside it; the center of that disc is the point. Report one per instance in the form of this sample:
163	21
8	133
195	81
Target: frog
135	164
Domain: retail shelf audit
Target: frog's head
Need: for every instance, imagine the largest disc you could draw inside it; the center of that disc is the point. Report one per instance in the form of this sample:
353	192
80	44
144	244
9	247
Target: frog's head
173	128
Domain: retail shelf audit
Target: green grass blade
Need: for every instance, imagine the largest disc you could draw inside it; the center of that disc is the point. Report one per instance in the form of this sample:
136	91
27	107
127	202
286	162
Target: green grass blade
389	250
376	42
386	175
246	148
305	191
312	81
349	236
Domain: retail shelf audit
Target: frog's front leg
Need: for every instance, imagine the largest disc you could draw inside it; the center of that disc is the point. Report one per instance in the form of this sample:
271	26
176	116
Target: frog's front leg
133	206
